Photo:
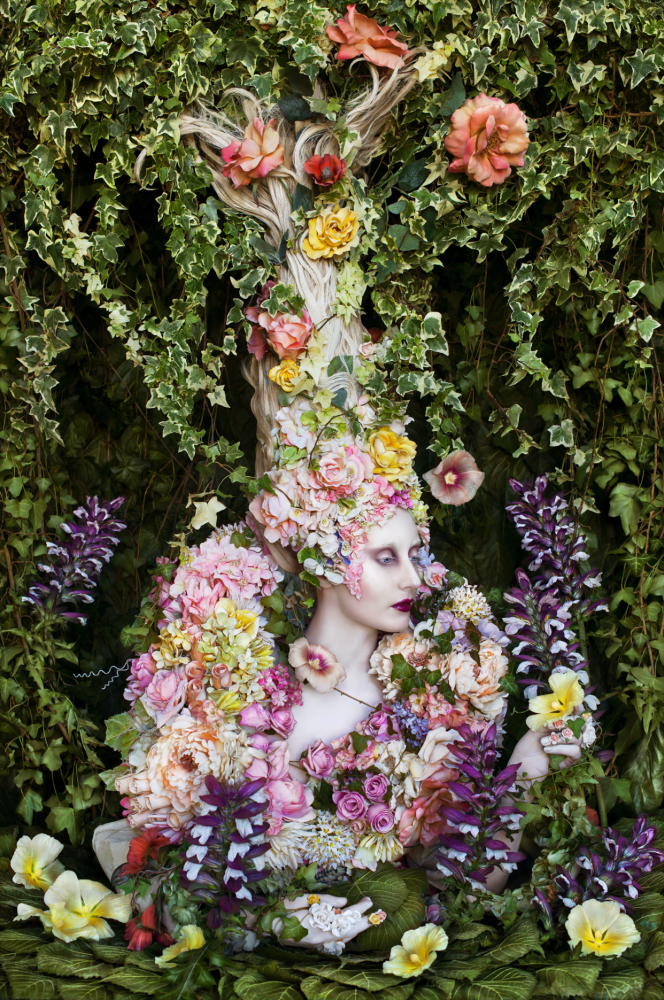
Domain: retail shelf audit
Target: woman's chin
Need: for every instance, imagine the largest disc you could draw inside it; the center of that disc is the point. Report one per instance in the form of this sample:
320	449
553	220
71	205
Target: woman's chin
395	621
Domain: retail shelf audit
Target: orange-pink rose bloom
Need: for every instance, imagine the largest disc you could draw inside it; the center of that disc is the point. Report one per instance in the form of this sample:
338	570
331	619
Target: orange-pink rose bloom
488	138
259	152
359	35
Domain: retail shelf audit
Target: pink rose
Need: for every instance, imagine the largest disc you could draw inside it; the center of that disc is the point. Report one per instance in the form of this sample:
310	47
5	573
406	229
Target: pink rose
282	721
142	671
256	716
350	805
381	818
290	800
434	575
375	787
341	469
285	333
279	512
318	762
165	695
359	35
488	138
381	726
255	156
274	766
358	826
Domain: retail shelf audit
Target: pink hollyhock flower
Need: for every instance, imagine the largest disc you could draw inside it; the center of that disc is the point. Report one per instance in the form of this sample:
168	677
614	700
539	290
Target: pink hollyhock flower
359	35
488	138
315	664
286	334
256	716
142	671
375	787
255	156
289	800
318	762
381	818
165	695
350	805
456	479
434	575
282	721
326	170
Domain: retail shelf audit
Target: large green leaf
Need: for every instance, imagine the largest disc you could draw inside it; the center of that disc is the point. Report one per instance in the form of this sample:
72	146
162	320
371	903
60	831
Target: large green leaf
364	979
19	942
83	991
521	938
569	979
136	979
498	984
319	989
112	954
26	984
645	771
624	985
655	957
59	959
247	988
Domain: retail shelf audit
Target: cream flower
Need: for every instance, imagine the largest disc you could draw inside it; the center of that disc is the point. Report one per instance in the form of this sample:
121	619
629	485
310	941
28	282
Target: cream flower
478	683
602	928
417	951
77	908
286	847
34	861
190	938
315	664
567	695
377	847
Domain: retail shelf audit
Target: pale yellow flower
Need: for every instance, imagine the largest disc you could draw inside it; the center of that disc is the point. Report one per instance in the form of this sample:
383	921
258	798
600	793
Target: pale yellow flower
602	928
416	952
567	695
285	374
392	454
332	233
77	908
190	938
34	861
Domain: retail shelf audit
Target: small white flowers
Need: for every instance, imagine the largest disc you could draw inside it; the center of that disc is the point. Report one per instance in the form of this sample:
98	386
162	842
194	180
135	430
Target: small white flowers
337	921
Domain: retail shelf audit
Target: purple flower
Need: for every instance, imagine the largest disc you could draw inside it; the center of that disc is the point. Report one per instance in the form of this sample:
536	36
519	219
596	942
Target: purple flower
380	818
350	805
375	787
413	729
75	565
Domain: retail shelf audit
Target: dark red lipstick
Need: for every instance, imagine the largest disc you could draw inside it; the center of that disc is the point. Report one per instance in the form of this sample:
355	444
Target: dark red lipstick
405	605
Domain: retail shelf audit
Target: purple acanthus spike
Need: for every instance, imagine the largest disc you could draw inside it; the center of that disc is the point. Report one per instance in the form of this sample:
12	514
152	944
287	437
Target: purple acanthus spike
556	596
75	565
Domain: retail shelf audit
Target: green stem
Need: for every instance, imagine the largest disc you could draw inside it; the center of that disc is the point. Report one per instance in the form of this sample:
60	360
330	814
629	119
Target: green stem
601	805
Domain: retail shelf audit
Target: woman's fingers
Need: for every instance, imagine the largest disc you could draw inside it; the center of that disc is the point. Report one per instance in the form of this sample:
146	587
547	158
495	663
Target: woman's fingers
363	905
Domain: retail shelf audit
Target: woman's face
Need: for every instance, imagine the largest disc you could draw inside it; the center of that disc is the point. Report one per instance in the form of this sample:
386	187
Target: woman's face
390	577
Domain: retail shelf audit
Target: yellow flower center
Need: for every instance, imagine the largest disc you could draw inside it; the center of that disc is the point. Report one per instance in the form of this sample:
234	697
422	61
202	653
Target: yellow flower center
450	478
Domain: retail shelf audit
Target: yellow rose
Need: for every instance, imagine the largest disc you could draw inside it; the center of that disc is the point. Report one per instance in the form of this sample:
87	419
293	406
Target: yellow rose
285	374
331	233
393	455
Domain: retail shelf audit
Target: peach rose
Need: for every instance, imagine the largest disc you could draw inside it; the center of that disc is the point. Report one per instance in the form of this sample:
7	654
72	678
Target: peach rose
286	333
341	469
488	138
259	152
359	35
279	512
422	823
478	683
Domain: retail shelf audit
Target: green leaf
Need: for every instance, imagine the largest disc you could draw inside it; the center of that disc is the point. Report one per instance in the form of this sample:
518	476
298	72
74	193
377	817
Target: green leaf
363	979
413	176
645	771
29	985
404	239
625	505
624	985
245	50
569	979
454	97
136	980
294	108
655	957
120	732
498	984
19	942
84	991
303	198
521	938
113	954
264	248
59	959
247	989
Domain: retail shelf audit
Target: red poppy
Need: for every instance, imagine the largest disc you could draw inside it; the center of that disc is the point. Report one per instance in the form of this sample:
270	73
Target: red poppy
143	847
140	930
325	170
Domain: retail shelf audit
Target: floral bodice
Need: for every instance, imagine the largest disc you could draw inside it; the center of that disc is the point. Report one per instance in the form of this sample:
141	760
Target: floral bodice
213	698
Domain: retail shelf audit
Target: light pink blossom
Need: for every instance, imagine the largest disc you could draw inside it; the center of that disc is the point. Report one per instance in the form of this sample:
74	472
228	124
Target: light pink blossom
315	664
165	695
142	671
456	479
380	817
288	800
434	575
488	138
318	761
282	721
255	716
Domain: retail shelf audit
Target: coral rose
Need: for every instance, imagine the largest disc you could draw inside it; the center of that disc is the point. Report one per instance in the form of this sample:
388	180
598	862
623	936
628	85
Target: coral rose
332	233
456	479
392	454
488	138
285	333
359	35
325	170
259	152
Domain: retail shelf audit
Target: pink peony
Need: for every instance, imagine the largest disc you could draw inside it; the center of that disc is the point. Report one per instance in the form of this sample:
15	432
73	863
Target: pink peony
315	664
456	479
142	671
359	35
256	716
434	575
488	138
165	695
255	156
282	721
318	762
288	800
375	787
381	818
350	805
340	470
285	333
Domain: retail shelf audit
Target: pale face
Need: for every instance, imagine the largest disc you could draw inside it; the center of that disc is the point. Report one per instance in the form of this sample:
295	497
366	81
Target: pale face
390	577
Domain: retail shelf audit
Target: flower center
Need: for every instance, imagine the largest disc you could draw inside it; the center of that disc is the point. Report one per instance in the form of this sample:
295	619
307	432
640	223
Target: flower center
187	762
450	478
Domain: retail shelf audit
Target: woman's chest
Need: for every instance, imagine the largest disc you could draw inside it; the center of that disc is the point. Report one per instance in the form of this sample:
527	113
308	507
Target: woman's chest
328	716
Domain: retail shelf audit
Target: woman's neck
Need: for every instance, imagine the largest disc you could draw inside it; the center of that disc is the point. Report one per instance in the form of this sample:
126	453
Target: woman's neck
351	642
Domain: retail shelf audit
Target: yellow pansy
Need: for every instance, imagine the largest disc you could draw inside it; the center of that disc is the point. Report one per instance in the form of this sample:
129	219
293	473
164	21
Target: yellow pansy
190	938
392	455
34	861
332	233
77	908
416	952
285	374
602	928
567	695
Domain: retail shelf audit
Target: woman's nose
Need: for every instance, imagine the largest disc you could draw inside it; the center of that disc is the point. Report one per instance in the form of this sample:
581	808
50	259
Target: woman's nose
410	577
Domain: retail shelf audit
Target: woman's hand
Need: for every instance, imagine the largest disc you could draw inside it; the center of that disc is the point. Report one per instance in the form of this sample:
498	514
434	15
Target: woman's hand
533	758
329	925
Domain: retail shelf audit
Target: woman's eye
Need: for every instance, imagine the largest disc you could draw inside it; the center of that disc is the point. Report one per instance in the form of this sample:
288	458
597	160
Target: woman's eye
386	560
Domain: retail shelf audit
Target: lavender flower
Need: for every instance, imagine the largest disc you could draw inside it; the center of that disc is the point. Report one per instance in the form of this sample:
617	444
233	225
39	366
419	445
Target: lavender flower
75	565
414	730
609	871
472	853
547	605
224	848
